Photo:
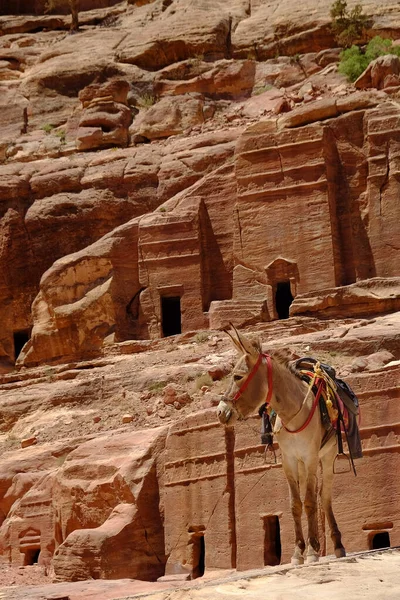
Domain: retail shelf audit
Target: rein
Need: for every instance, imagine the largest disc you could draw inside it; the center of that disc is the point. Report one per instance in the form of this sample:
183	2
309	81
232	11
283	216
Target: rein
252	373
312	411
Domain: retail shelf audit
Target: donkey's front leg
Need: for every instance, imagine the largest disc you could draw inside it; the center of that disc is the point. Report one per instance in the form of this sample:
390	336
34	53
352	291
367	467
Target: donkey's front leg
310	506
292	476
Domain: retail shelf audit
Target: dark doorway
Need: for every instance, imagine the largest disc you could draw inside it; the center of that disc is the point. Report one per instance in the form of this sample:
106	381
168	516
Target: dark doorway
20	339
31	557
171	315
272	540
199	555
283	299
380	540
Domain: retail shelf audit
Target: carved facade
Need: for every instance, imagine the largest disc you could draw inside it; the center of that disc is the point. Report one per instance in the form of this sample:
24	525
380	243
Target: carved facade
294	212
315	208
236	498
195	496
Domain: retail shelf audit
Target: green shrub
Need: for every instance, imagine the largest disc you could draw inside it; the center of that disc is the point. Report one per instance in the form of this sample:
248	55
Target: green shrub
201	336
203	380
60	133
48	127
352	63
157	386
379	47
354	60
146	101
348	26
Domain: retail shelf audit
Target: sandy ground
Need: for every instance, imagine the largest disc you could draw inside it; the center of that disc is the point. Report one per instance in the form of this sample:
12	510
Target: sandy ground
373	574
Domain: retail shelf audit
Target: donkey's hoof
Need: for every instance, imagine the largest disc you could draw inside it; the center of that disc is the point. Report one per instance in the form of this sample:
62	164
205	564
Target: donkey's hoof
312	558
340	552
297	560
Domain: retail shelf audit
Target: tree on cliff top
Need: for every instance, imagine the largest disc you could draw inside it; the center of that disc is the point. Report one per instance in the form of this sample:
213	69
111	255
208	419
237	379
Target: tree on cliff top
73	7
348	26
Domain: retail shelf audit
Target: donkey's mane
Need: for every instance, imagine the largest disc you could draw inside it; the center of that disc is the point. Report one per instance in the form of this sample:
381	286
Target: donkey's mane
284	357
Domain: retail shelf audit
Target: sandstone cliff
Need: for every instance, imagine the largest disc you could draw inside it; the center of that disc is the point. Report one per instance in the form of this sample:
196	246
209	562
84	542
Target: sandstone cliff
171	167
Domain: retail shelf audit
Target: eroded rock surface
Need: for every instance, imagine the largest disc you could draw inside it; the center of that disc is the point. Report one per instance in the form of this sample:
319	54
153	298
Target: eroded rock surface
172	167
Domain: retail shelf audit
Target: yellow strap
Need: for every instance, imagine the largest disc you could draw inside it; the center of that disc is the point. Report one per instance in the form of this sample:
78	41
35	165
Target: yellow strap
330	390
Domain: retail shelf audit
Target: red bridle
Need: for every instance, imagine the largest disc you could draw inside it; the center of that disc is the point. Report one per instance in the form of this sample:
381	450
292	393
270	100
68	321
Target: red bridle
251	375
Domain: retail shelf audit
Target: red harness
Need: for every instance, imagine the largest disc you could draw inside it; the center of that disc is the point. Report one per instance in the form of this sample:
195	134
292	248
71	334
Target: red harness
252	373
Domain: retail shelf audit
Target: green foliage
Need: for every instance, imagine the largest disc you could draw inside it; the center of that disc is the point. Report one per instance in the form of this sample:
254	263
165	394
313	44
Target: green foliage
354	60
146	101
202	380
379	47
60	133
352	63
201	337
348	26
48	127
157	386
261	90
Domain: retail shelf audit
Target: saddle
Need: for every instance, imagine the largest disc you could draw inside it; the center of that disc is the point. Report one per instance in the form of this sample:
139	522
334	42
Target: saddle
338	404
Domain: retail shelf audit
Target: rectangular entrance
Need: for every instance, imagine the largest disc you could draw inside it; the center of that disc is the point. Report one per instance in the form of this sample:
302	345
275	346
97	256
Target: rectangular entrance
20	338
171	315
283	299
272	540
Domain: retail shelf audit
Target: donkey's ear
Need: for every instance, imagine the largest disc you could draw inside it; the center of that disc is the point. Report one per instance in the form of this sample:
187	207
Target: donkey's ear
242	343
233	334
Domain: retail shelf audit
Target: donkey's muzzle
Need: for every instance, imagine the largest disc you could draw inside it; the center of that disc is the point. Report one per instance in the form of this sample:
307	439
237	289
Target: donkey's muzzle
224	413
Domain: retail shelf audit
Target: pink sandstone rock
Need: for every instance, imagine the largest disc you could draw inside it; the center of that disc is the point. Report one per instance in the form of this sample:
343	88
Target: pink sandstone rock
225	79
121	512
28	442
365	297
382	72
169	116
106	117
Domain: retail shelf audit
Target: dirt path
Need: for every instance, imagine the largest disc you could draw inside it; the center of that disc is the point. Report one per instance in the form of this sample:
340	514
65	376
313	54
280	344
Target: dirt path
374	575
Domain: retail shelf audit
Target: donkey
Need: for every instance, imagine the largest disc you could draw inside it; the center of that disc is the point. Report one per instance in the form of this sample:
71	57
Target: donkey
258	378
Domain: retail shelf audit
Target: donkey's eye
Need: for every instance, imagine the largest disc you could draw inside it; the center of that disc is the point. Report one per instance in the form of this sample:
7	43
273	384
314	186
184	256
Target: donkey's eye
237	377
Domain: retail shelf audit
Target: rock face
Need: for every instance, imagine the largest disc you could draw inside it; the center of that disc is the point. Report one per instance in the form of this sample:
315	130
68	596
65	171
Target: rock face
338	216
99	510
79	113
172	167
365	297
381	73
106	116
188	497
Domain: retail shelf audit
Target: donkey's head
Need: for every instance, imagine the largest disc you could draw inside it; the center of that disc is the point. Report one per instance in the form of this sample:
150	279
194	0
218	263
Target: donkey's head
248	385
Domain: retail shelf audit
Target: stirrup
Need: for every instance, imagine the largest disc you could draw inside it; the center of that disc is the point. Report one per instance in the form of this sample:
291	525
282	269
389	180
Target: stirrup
337	470
270	455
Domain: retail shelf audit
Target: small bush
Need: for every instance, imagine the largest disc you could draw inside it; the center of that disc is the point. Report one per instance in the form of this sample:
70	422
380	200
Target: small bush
261	90
48	127
146	101
157	386
60	133
352	63
203	379
348	26
354	60
202	336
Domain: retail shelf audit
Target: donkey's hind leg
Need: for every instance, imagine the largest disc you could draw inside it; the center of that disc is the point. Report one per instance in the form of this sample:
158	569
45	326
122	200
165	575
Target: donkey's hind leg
327	461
